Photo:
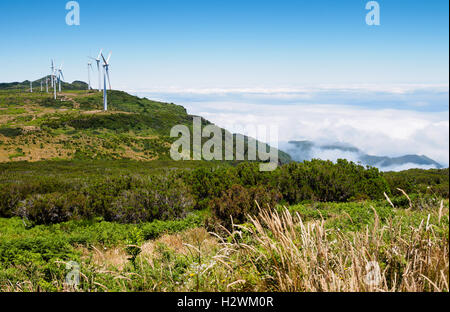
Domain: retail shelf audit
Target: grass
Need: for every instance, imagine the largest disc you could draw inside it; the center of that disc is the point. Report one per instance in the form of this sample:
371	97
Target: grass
133	128
309	257
277	250
13	111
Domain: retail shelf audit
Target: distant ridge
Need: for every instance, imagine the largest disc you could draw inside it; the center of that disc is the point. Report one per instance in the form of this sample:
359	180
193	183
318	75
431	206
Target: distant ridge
25	85
306	150
384	161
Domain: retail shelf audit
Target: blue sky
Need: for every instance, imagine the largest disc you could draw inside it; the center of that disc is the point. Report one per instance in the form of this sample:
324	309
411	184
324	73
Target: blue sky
201	44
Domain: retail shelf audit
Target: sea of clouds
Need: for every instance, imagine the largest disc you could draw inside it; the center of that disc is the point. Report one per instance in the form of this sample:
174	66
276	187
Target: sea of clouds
379	120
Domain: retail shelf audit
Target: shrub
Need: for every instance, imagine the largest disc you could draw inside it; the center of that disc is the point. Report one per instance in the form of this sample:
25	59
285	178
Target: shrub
207	184
133	242
10	132
238	202
53	208
163	199
326	181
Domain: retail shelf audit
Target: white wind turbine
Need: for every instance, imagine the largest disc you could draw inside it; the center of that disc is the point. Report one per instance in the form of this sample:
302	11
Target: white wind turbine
60	75
98	60
31	86
52	67
89	75
54	82
106	75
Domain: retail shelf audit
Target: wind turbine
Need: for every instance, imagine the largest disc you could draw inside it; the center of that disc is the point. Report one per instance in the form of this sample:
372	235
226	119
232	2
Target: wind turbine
106	74
46	84
60	74
31	86
52	67
54	83
98	59
89	75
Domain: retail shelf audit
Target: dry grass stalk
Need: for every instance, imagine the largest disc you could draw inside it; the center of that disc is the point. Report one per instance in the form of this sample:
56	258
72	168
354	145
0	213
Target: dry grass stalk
309	257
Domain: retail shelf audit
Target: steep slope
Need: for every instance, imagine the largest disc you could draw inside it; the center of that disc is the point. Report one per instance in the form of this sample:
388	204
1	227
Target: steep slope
34	126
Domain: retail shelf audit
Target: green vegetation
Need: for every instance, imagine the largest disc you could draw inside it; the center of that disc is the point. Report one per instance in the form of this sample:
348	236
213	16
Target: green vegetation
132	192
99	189
143	226
25	85
182	256
74	126
434	181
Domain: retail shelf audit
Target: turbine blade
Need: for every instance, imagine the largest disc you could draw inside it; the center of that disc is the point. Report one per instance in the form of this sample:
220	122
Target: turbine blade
107	74
104	61
98	57
109	57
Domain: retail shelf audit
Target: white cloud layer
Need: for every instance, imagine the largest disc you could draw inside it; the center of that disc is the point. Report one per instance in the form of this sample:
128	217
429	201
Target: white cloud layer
312	89
377	132
418	125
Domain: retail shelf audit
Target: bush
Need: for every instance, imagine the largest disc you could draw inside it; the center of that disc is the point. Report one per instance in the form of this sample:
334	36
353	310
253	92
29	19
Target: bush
239	202
207	184
434	181
164	199
53	208
12	193
132	192
326	181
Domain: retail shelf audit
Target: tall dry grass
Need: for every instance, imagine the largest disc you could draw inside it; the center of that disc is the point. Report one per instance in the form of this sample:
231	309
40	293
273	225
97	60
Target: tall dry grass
290	256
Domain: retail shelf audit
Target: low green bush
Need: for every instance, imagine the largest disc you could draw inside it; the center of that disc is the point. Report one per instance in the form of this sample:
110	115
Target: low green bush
133	192
238	202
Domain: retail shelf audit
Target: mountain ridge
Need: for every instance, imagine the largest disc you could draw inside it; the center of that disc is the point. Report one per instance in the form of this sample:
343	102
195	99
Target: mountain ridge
305	150
25	85
35	126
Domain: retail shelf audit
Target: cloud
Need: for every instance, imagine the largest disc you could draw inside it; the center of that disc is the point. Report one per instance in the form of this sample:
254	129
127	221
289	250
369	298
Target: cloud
377	132
433	97
312	89
379	120
325	151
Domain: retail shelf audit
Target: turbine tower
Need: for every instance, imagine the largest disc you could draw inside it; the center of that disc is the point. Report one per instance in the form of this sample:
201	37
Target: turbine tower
54	83
52	67
106	75
31	86
60	75
89	75
46	84
98	60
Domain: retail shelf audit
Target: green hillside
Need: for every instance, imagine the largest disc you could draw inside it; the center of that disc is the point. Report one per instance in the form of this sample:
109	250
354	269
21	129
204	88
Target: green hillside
99	191
25	85
35	127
